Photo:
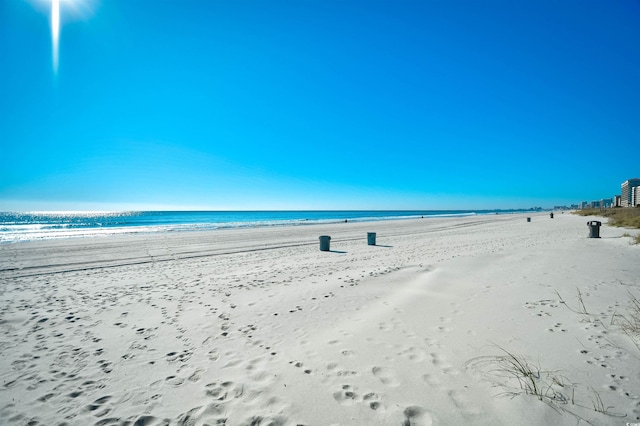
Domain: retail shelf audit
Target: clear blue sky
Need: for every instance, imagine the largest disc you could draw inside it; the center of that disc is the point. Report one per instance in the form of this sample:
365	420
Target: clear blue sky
318	104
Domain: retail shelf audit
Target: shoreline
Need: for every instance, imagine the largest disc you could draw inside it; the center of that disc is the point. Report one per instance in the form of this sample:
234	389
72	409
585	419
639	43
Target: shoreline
122	248
259	326
23	227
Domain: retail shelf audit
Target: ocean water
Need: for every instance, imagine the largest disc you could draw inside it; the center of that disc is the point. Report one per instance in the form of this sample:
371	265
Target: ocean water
29	226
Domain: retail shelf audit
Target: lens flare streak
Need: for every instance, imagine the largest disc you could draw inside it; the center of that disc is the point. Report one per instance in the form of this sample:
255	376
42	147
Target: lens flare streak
55	31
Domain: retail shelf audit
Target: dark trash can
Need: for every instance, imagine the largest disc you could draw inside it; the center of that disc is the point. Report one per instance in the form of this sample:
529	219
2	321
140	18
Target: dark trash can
324	242
551	215
371	238
594	228
528	219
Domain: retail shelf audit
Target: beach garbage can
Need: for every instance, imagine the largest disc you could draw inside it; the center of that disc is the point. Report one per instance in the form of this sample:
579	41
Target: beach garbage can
324	242
551	215
528	219
371	238
594	228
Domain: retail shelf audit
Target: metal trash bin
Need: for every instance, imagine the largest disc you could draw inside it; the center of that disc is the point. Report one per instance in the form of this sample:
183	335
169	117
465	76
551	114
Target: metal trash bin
324	242
371	238
594	228
551	215
528	219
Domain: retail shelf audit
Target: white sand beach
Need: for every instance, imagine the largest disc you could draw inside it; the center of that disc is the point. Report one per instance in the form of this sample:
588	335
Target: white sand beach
260	327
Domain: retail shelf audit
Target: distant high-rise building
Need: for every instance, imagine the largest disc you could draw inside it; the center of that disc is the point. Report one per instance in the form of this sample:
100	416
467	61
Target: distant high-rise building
617	201
635	196
606	202
627	191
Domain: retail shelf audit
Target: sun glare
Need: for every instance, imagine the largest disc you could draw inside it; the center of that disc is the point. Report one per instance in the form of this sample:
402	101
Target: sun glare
73	10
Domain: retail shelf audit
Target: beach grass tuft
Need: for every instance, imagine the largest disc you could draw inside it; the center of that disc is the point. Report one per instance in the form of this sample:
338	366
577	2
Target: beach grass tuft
630	322
580	309
635	239
599	406
553	389
546	386
530	378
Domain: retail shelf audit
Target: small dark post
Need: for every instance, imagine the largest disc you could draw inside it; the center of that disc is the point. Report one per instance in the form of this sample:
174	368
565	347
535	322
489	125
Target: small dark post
371	238
528	219
551	215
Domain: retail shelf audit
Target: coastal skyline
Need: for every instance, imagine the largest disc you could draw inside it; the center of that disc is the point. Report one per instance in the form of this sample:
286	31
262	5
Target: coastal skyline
140	105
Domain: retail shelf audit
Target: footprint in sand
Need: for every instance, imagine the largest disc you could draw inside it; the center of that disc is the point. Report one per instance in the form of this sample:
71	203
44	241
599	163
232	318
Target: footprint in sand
258	371
414	354
196	376
213	355
430	379
174	380
386	375
346	373
178	356
462	403
559	326
346	396
97	406
224	391
383	326
105	366
46	397
373	400
440	361
416	416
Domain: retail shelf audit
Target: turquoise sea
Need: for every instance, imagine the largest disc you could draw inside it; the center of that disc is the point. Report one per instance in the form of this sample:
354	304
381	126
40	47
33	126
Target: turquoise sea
29	226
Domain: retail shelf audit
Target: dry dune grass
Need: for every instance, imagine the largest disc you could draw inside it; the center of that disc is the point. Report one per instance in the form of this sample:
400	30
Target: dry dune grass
621	217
